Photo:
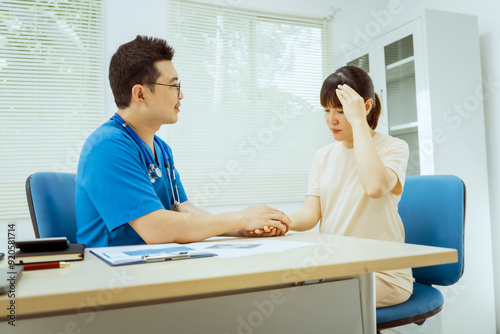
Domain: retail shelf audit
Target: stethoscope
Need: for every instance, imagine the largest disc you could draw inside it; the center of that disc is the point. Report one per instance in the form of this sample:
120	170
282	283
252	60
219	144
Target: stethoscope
153	171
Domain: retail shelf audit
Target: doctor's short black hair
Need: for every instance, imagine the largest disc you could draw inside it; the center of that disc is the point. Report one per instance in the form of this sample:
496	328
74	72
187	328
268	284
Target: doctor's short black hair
134	63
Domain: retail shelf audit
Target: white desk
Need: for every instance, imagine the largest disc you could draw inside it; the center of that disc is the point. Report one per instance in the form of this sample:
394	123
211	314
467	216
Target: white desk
254	294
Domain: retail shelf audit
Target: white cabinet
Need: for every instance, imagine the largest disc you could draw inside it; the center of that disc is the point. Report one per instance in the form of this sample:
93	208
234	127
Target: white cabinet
421	70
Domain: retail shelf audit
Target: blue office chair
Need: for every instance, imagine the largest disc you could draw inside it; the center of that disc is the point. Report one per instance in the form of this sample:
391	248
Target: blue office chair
432	208
51	201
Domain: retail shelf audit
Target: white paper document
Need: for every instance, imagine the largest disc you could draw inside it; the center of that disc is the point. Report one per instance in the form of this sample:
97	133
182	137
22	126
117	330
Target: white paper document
121	255
244	248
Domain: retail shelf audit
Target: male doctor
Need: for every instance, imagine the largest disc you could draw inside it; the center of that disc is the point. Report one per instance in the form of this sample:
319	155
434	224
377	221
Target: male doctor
127	189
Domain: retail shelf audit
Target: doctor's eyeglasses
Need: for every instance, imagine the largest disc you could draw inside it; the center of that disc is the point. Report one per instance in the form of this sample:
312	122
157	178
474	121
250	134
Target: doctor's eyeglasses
178	86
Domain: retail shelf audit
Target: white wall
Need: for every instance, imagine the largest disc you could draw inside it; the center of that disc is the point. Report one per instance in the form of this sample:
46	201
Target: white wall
470	307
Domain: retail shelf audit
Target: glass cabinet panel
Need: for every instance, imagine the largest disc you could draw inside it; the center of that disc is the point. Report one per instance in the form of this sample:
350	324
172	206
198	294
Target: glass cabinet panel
401	97
362	62
399	50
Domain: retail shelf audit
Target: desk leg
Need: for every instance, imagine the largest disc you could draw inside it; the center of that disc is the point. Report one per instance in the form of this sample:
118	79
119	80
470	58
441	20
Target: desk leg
368	310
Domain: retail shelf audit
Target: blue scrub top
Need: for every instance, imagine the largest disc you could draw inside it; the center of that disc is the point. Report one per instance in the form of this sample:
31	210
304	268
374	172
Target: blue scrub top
113	188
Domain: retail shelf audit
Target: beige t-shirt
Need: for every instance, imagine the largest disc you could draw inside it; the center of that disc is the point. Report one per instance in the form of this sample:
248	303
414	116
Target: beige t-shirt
347	210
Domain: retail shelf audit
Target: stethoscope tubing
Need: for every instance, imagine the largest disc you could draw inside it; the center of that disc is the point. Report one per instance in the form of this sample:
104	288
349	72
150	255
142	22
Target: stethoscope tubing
153	171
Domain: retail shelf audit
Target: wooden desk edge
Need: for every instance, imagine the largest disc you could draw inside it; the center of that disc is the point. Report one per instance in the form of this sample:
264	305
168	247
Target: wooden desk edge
96	300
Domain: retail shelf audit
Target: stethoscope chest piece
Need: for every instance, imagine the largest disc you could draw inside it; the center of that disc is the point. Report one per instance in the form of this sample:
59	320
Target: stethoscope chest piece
154	173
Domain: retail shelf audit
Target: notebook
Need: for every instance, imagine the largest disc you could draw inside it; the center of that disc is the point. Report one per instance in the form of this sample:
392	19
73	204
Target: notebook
74	252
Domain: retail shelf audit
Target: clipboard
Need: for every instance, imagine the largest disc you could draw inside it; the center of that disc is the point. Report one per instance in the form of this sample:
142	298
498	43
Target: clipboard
125	255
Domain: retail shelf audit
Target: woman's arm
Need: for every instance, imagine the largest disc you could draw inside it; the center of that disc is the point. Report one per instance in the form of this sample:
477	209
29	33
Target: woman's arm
308	216
376	179
301	220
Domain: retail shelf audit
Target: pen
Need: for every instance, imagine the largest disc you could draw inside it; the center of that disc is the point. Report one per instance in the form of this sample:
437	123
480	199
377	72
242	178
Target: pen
165	257
48	265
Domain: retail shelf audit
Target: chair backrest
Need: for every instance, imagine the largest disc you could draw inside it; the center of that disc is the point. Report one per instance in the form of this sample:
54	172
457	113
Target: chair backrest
432	208
51	201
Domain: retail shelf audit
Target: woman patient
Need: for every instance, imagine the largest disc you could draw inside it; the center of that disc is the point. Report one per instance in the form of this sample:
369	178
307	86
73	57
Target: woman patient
356	182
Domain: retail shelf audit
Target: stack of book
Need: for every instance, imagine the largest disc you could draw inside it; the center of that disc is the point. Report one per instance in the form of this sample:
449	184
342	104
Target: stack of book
48	250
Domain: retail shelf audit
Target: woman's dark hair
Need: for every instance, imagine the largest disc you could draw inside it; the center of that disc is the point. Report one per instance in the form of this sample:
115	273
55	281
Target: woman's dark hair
134	63
358	80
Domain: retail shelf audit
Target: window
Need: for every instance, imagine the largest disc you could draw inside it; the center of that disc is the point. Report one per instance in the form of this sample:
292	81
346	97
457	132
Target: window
51	90
250	120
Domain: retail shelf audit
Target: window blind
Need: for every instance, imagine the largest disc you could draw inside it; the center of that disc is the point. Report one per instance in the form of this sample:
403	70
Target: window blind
250	121
51	90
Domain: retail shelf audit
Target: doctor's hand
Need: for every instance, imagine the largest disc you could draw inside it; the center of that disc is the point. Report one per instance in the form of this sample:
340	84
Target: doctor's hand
353	105
264	221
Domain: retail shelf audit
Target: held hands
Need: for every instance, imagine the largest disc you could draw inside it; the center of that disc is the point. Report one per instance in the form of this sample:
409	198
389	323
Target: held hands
354	107
264	221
